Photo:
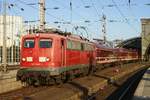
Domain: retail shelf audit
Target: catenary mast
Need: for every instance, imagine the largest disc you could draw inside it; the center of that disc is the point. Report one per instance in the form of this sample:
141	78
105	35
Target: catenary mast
42	14
104	27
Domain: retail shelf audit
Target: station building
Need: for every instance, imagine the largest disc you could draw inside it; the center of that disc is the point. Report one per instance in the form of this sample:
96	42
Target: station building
14	29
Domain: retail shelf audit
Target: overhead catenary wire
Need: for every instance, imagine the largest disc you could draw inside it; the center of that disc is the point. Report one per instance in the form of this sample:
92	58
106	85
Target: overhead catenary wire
73	11
56	17
87	7
124	17
25	3
13	11
28	4
11	8
95	9
14	8
130	9
83	1
32	6
70	11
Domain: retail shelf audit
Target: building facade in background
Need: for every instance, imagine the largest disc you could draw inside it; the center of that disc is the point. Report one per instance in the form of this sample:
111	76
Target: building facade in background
14	30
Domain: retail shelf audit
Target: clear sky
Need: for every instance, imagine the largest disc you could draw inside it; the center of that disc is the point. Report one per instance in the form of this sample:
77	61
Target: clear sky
126	19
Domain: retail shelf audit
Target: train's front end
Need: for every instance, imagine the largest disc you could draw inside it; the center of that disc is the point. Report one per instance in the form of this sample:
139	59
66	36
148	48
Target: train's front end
36	57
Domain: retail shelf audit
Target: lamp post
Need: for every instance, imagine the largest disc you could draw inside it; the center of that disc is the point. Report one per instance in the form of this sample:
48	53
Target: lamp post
12	41
4	61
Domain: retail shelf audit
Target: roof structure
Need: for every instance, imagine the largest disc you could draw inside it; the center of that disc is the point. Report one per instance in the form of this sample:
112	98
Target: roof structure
132	43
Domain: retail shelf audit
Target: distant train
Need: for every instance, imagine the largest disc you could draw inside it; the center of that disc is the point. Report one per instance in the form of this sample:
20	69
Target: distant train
111	55
53	58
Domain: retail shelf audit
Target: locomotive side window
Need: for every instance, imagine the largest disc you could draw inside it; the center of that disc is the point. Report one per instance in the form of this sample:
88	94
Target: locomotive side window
45	43
29	43
73	45
69	44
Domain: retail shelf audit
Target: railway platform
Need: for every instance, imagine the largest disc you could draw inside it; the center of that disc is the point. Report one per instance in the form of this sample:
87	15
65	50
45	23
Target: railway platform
8	81
143	90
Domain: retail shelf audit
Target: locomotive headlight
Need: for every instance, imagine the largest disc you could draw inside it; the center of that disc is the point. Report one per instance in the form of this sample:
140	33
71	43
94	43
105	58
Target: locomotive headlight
37	35
23	59
47	59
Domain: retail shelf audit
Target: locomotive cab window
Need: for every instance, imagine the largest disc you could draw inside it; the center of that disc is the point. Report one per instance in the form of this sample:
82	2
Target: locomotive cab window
29	43
45	43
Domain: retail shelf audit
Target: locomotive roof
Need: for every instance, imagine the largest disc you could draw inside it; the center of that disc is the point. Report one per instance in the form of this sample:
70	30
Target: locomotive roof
58	35
43	35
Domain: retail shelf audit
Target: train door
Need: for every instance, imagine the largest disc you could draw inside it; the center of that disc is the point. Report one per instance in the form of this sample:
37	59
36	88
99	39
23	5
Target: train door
62	52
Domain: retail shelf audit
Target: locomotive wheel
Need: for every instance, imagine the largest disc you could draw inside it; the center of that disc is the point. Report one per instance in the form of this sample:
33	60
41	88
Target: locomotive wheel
64	78
40	81
37	83
71	76
30	81
50	81
58	80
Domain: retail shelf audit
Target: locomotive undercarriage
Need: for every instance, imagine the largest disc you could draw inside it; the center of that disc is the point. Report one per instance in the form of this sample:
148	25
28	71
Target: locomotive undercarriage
43	77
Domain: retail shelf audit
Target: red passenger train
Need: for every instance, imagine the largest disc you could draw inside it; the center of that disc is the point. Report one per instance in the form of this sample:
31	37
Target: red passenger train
53	57
106	55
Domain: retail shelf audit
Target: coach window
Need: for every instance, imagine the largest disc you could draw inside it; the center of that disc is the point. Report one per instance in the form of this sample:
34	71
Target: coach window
29	43
45	43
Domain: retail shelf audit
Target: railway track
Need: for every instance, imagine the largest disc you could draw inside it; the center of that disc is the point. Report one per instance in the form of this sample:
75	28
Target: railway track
79	86
126	91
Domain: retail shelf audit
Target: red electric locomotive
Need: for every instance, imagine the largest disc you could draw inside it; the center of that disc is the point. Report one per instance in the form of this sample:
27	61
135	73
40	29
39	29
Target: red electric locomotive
54	57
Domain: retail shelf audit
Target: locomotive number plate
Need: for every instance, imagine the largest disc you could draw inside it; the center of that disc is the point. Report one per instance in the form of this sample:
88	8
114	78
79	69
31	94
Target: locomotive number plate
42	59
29	59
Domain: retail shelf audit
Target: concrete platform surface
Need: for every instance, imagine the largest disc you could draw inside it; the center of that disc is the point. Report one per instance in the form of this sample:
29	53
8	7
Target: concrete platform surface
8	74
8	81
143	90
